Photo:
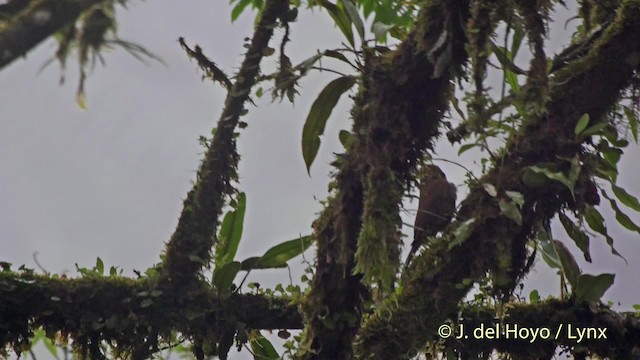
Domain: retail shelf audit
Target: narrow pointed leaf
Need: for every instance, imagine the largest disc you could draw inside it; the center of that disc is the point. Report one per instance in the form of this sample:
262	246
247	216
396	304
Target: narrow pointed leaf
318	115
570	267
353	14
596	223
633	122
578	236
626	198
231	231
341	19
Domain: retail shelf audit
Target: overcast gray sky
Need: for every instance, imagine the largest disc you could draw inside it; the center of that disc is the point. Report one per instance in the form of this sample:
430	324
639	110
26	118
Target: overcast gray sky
109	181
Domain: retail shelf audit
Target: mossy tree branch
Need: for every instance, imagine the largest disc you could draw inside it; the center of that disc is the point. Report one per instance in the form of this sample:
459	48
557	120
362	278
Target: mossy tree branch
190	246
39	20
436	284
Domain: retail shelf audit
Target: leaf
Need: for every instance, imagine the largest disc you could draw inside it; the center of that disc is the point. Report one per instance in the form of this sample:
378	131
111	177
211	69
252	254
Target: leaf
231	232
238	9
99	266
223	278
462	233
337	55
596	222
340	18
263	349
534	297
380	30
252	263
548	250
456	107
518	35
592	288
345	138
595	128
511	211
622	218
557	176
317	119
505	61
577	235
490	189
353	14
633	122
466	147
516	196
277	256
626	198
570	267
582	124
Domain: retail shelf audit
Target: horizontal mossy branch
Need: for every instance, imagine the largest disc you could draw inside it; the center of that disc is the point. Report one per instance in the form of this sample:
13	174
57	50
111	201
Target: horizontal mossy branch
41	19
436	284
125	312
191	244
606	333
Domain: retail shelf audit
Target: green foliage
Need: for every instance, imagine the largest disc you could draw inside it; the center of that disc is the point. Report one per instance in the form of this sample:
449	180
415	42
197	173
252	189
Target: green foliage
592	288
319	114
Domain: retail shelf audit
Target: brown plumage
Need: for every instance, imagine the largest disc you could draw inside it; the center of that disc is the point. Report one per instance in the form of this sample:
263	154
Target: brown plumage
436	206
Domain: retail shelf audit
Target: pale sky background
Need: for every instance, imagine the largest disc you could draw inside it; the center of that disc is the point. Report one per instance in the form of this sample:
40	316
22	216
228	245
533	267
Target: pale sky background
109	181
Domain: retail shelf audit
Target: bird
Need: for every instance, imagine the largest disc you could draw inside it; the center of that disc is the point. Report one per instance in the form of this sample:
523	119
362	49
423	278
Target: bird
436	206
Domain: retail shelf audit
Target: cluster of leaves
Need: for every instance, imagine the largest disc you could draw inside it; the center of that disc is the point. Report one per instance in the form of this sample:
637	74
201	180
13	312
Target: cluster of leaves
93	33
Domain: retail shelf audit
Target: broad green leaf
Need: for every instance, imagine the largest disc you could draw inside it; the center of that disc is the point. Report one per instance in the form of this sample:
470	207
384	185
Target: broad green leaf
612	155
239	8
516	197
277	256
534	297
99	266
262	348
592	288
596	223
570	267
345	138
557	176
252	263
341	19
353	14
231	232
490	189
380	30
462	233
577	235
592	130
40	335
582	124
510	210
319	114
626	198
633	122
280	254
223	278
